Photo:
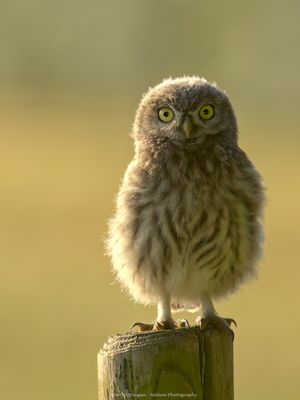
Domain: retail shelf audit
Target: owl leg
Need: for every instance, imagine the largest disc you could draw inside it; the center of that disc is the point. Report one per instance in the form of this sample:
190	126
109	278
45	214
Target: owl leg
164	319
210	316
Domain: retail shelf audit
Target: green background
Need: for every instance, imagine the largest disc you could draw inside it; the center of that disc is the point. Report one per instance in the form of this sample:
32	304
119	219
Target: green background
71	76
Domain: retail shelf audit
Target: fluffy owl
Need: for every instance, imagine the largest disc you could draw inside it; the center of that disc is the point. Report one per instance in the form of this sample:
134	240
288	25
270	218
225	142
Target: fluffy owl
187	226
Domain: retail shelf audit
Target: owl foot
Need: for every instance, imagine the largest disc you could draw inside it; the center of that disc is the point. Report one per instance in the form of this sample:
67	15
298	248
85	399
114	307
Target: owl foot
213	320
157	326
143	327
160	325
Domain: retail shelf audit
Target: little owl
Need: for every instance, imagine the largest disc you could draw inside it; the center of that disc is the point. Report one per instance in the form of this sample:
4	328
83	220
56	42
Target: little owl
187	226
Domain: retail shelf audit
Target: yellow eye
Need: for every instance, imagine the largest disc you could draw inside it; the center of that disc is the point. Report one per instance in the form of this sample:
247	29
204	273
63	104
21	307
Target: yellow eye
165	114
207	112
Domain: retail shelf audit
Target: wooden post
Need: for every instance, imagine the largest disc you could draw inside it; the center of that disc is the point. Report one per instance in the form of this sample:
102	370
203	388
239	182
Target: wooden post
193	363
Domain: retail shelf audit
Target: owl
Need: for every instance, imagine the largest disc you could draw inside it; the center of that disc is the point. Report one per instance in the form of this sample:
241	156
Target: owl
187	227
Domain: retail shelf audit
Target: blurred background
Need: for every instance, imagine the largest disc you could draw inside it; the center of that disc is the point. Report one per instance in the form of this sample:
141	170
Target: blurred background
71	76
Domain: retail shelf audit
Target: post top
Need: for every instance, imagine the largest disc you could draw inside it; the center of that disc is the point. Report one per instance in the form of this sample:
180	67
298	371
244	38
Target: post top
123	342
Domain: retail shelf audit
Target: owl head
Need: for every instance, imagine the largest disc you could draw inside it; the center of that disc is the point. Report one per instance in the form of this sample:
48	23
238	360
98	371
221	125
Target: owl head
185	110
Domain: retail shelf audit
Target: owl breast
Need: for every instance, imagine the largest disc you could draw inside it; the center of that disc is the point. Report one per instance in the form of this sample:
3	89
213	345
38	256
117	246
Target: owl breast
191	237
209	235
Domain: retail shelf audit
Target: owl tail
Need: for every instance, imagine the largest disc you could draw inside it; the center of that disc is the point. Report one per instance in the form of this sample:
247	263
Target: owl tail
192	308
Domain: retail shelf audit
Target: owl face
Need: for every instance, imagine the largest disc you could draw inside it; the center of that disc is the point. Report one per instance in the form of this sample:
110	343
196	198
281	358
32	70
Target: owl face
185	110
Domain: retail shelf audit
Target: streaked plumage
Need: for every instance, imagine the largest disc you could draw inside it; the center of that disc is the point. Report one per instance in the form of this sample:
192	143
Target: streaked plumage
187	224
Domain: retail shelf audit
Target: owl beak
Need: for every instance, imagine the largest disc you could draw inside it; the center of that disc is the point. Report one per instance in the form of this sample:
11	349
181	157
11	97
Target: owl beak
187	126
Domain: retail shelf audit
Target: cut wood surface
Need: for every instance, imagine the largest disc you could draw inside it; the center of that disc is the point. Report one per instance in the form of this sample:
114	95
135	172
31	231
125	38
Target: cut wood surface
183	363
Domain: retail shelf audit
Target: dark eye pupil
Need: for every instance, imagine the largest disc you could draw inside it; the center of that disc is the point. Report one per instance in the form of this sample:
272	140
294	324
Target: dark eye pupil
166	113
205	111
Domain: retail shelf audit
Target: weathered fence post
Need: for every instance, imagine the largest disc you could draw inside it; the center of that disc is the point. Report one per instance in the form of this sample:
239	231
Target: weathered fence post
183	363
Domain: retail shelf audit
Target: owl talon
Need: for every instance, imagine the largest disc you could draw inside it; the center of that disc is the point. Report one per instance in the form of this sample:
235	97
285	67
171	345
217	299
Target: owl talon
143	327
157	326
231	321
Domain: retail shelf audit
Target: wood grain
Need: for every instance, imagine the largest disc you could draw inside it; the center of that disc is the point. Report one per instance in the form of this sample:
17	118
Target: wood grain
182	363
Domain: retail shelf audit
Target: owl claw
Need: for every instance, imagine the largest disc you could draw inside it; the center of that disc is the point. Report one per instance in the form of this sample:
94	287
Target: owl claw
157	326
231	321
142	327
